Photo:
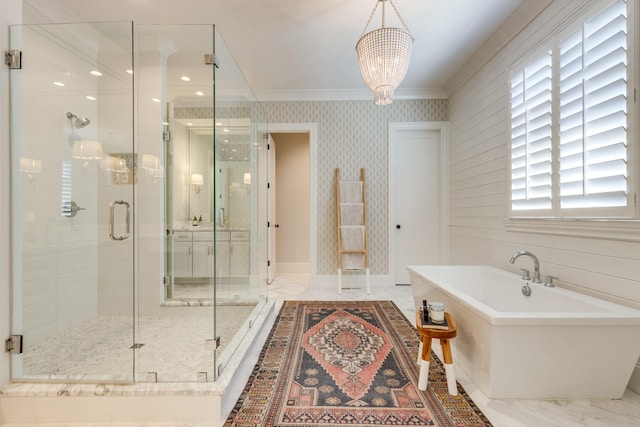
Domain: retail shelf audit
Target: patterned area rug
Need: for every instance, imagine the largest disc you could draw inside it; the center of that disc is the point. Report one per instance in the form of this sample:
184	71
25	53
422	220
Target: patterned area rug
336	363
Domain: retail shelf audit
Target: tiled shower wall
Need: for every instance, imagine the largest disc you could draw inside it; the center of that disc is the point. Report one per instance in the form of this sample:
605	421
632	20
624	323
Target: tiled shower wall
352	135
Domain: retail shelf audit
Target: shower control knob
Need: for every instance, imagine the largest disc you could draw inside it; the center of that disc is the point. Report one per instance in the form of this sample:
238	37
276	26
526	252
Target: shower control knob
398	226
72	210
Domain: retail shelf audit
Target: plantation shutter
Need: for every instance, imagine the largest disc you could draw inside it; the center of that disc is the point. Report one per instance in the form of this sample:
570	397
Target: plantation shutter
593	112
531	95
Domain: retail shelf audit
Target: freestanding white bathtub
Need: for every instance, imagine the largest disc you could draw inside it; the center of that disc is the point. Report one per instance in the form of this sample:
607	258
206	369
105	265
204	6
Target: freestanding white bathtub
555	343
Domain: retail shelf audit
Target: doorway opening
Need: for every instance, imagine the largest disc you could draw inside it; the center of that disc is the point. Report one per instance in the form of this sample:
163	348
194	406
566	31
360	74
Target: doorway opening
292	200
291	187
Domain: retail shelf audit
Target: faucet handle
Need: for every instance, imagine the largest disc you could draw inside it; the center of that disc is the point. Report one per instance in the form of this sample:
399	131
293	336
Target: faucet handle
548	281
525	274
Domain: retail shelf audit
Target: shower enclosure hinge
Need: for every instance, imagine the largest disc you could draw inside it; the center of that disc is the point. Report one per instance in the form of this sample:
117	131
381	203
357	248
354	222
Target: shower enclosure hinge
13	344
211	59
166	136
13	59
166	280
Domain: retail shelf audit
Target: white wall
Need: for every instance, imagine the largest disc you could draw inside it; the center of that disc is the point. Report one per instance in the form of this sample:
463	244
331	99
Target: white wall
606	265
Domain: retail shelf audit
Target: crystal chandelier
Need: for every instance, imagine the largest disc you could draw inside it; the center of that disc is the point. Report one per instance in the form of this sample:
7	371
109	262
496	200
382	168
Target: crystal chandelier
383	55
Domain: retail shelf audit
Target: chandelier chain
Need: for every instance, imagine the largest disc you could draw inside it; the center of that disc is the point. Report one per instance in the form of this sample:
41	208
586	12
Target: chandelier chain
400	16
370	17
404	24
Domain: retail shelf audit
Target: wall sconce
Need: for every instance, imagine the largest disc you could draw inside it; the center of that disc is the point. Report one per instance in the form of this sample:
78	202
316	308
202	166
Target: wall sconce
121	167
30	166
150	162
86	150
114	164
151	165
247	178
197	180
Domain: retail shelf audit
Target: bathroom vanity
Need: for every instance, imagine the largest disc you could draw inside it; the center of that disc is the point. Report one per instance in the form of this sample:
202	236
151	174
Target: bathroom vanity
193	253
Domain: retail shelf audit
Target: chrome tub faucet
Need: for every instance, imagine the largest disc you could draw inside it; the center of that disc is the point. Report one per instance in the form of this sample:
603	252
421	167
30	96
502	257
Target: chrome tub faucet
536	264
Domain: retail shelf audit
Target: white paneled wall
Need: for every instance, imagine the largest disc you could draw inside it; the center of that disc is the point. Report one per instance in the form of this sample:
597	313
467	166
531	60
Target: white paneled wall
479	170
479	185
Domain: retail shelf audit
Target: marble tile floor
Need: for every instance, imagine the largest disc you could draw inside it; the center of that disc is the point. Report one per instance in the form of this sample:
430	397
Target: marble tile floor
174	347
502	413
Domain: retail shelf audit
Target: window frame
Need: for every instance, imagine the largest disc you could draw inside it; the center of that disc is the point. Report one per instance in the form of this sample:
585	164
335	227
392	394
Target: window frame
526	217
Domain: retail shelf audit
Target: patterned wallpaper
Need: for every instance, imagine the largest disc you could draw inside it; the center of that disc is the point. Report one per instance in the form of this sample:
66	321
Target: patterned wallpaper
351	135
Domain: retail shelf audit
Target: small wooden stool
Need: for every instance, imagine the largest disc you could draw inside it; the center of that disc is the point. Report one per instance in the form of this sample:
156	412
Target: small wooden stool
424	352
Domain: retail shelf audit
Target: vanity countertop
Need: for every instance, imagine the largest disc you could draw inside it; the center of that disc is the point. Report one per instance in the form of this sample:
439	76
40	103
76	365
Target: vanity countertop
206	227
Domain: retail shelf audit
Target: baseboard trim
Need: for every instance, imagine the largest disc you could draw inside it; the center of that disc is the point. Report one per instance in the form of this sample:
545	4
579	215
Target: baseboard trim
292	267
353	280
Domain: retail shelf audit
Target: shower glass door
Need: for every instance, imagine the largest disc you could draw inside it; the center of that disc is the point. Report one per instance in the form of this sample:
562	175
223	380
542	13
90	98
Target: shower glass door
73	179
176	326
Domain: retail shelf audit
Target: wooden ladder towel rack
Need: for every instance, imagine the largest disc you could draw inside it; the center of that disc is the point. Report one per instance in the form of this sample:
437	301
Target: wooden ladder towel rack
351	225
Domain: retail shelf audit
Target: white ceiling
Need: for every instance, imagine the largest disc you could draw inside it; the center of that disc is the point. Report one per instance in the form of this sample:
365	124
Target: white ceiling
305	49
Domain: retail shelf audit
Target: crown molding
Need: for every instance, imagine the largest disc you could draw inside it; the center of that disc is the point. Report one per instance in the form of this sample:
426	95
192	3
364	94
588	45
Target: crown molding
347	94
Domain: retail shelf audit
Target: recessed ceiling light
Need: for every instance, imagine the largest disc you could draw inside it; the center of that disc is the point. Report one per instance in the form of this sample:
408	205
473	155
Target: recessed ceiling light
200	93
189	124
155	99
90	98
226	130
218	124
59	84
185	78
96	73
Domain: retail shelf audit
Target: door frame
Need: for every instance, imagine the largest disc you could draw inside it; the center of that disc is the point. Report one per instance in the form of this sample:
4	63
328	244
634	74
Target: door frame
443	186
271	209
312	130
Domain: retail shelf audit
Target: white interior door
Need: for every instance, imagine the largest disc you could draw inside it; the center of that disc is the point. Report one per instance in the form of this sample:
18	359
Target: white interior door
414	199
271	211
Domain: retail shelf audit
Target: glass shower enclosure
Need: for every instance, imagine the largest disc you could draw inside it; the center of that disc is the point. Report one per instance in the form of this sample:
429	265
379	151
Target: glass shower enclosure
138	244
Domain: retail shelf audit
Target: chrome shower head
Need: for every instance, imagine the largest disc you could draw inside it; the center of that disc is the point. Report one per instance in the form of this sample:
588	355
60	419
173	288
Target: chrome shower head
79	122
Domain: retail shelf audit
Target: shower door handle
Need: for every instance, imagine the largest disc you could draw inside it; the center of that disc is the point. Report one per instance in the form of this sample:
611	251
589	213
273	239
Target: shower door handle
112	209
